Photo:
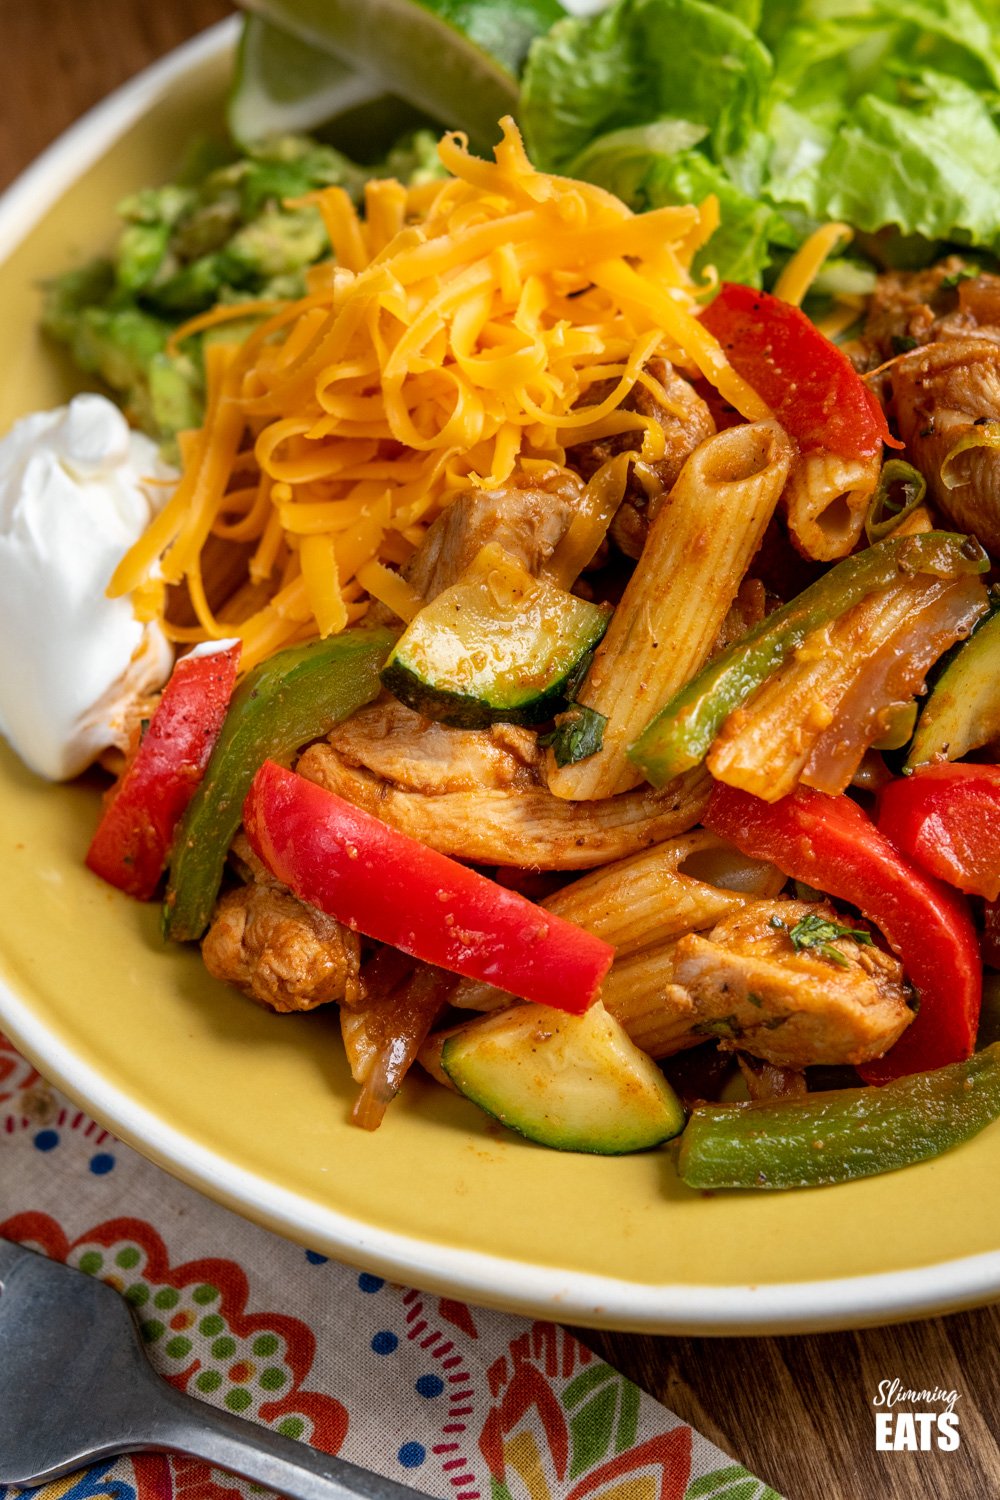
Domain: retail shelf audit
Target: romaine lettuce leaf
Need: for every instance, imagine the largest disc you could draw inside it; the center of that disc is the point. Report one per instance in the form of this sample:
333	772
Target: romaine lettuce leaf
958	37
927	164
637	62
884	113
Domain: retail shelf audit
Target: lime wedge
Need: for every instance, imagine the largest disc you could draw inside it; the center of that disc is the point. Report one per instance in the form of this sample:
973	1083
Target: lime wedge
458	60
284	86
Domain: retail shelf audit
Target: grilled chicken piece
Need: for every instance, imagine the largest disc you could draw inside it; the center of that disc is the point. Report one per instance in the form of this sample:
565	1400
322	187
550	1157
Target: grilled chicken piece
523	826
941	394
911	308
526	518
393	742
751	989
941	329
904	310
279	951
686	422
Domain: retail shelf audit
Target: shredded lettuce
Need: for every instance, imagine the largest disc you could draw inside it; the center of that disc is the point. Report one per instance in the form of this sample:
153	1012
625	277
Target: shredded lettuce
884	113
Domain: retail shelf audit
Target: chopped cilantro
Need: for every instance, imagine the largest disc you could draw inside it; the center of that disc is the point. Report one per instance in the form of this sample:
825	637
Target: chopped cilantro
579	734
967	273
722	1026
814	931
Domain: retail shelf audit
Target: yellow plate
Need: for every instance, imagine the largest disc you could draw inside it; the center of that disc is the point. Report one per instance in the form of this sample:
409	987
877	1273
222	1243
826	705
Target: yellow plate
252	1107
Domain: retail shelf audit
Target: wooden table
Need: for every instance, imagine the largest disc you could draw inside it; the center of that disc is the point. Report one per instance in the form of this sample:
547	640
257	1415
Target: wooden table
795	1410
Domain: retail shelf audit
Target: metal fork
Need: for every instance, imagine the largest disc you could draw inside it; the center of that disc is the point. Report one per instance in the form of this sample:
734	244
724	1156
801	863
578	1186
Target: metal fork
76	1386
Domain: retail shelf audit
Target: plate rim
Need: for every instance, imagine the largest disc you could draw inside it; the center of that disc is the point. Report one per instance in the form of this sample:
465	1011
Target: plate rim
596	1301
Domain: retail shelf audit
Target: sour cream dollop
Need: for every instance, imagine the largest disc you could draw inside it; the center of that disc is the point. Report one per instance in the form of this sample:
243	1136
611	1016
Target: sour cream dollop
77	488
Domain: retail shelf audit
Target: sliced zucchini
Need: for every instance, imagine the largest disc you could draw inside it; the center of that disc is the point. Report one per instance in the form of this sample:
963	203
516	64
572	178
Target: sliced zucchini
498	646
963	710
576	1083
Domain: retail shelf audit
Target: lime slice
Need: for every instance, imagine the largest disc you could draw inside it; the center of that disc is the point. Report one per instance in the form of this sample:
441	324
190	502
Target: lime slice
458	60
284	86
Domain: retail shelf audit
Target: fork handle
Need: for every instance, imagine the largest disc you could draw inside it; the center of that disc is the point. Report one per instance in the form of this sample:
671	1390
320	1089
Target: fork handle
183	1424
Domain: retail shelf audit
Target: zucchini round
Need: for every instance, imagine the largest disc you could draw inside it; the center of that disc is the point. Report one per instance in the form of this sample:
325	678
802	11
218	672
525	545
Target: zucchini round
499	646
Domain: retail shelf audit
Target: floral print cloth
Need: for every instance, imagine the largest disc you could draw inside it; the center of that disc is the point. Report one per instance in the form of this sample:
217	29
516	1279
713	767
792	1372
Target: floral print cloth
454	1400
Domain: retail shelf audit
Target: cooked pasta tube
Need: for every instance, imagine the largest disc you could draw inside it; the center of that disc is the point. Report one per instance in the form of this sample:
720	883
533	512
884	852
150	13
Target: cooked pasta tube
814	718
640	902
680	886
826	499
525	827
658	1014
699	545
639	991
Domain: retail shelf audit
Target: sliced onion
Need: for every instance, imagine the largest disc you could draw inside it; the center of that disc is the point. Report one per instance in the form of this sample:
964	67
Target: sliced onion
981	435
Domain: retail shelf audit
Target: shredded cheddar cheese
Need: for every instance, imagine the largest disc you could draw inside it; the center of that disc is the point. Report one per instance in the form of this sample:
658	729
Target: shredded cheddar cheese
451	341
801	271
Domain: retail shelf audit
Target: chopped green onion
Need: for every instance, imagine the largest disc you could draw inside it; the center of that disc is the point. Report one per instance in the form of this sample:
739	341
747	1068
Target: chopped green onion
887	507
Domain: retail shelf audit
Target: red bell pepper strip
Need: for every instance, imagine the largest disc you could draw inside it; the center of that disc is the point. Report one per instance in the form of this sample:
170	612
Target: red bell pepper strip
133	838
810	385
832	845
385	884
947	820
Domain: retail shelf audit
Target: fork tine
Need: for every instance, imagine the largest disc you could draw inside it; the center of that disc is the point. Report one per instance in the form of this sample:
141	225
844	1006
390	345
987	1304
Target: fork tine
10	1255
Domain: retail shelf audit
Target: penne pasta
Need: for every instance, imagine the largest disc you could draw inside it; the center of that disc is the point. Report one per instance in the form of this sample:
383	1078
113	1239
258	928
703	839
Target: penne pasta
826	500
657	1013
699	546
640	903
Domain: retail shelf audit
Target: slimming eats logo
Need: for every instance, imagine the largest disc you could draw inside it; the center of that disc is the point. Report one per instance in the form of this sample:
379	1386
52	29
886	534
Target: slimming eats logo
899	1427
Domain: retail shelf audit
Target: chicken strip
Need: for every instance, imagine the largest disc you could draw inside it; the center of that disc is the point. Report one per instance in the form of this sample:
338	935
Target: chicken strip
912	308
939	331
394	742
942	393
526	518
279	951
752	990
522	826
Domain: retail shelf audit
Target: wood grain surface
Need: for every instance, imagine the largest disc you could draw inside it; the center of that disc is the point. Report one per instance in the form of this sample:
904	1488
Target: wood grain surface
796	1410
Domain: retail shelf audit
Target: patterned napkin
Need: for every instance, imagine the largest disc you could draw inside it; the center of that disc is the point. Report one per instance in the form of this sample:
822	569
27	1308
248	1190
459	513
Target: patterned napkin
456	1401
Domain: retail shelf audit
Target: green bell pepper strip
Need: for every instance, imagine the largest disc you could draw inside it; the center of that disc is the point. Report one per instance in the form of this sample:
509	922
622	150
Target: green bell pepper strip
293	697
837	1136
682	733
